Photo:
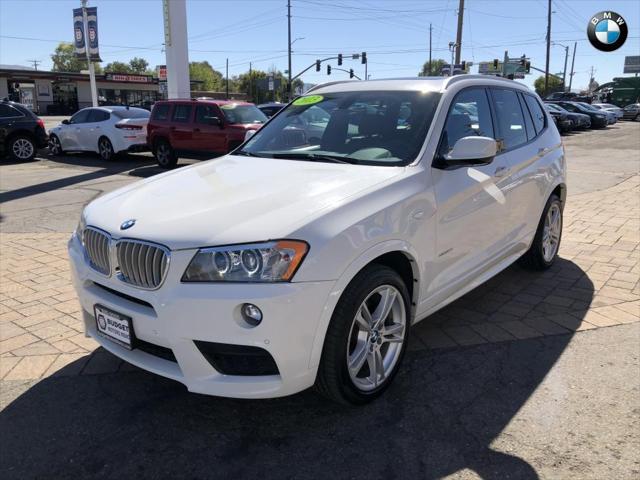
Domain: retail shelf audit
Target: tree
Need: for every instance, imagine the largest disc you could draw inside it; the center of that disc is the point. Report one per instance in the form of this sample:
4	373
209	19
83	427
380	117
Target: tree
555	85
138	65
211	80
436	67
117	67
65	60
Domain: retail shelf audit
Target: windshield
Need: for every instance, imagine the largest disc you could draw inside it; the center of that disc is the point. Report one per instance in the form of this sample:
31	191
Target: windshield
132	113
235	113
372	127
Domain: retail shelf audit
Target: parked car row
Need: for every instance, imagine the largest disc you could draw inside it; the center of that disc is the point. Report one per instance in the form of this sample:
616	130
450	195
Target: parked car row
570	116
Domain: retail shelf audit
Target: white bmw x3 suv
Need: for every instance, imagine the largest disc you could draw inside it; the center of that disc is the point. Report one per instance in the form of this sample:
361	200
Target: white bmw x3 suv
297	261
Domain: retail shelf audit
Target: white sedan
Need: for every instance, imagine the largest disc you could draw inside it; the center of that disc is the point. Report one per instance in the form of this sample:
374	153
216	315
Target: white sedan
103	130
608	107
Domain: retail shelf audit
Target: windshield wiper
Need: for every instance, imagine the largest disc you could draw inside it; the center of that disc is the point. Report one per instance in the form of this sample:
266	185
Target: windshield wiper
316	157
244	153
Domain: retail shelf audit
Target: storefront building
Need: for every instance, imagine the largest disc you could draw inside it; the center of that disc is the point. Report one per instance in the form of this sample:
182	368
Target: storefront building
61	93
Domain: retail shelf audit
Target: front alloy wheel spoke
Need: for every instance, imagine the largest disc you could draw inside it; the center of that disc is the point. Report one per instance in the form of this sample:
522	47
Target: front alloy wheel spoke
393	333
356	361
387	298
364	318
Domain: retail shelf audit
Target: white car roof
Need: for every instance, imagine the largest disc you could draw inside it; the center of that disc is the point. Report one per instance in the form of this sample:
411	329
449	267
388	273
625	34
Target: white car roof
422	84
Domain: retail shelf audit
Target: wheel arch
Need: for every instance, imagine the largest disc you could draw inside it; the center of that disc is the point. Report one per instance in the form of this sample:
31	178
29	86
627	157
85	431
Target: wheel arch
395	254
561	191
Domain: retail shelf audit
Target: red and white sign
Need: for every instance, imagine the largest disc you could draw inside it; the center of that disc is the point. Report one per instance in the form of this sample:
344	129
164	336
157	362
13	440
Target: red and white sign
124	77
162	72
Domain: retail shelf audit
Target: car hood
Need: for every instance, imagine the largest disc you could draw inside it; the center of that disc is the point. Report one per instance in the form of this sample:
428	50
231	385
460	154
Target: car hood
231	199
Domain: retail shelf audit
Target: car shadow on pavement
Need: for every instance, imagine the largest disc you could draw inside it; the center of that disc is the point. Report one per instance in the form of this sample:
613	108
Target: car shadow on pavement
440	416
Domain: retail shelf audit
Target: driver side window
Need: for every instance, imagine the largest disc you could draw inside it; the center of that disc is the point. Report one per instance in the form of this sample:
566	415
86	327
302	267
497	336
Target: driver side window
469	115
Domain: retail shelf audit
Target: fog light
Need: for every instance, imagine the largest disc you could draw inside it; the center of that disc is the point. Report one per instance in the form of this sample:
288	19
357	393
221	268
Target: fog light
251	314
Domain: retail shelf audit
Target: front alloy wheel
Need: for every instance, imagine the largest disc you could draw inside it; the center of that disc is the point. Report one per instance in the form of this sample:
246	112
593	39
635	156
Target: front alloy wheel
366	338
55	148
376	338
551	232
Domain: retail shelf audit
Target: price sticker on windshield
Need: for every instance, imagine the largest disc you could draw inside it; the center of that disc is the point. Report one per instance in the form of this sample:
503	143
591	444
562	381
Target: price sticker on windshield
309	100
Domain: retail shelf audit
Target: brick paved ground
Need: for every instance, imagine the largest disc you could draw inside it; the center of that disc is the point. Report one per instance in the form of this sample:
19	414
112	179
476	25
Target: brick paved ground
594	285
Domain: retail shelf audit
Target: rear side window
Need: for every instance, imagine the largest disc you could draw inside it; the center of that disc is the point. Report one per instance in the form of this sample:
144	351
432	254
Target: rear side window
161	112
181	113
511	126
536	112
7	111
468	116
98	116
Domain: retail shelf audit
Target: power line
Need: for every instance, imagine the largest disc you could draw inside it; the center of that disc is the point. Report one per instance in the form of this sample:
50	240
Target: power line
35	63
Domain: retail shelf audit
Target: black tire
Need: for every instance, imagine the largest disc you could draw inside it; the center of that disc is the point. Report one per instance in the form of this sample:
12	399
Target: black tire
333	379
535	258
21	148
105	149
165	154
55	147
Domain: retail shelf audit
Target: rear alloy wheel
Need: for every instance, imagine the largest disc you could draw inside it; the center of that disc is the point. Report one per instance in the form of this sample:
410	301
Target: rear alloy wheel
105	149
366	338
165	155
546	243
22	148
55	147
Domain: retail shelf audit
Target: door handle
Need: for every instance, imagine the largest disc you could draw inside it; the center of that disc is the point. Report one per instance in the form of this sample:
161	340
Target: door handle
542	151
500	172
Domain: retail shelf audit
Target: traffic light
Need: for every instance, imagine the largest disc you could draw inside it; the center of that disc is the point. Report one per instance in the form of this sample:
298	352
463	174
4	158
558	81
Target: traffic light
495	64
527	67
523	60
364	57
317	65
339	59
463	66
351	73
328	69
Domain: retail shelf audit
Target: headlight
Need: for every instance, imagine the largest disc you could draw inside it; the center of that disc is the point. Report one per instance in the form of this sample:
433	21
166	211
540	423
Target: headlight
79	231
275	261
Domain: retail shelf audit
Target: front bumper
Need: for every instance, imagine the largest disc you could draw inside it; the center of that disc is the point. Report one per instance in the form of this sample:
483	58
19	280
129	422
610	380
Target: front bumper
177	314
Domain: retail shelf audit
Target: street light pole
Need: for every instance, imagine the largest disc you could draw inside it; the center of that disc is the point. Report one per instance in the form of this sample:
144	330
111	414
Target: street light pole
459	32
546	69
573	61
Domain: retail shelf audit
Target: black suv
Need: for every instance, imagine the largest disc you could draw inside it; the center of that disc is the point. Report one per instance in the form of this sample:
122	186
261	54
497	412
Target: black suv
22	133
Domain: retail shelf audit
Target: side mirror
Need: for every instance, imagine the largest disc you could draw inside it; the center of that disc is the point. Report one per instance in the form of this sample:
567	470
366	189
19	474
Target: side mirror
65	122
472	151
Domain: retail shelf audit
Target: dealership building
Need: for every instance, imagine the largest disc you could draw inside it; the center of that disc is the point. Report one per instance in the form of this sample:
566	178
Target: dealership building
62	93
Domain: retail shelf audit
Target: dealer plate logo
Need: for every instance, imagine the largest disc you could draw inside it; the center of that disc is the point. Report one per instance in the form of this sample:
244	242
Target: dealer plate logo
607	31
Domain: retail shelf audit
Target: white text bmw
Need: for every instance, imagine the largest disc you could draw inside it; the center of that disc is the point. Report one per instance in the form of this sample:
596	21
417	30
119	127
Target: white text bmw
297	261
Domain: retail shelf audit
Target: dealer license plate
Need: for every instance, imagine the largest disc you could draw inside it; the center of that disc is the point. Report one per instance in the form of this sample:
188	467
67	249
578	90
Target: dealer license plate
114	326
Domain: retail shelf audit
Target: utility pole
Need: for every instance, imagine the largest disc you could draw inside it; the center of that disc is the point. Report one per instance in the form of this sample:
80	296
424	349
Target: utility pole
546	68
459	33
430	32
504	63
35	64
573	61
92	68
250	84
227	76
564	75
289	44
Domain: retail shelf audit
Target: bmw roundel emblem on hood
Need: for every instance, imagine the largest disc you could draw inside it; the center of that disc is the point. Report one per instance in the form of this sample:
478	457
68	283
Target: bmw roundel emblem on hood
127	224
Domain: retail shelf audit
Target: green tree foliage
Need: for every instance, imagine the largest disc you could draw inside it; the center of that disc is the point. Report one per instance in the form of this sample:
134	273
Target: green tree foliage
117	67
555	85
212	80
139	65
64	60
436	66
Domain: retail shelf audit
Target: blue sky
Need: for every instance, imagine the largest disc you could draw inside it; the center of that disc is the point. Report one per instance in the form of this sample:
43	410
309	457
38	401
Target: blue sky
395	34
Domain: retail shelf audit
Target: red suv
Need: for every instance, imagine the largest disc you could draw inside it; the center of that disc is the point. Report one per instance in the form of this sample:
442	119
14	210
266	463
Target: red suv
199	128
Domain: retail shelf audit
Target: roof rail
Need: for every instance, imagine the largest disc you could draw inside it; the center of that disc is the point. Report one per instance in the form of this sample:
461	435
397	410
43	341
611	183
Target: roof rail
316	87
458	78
